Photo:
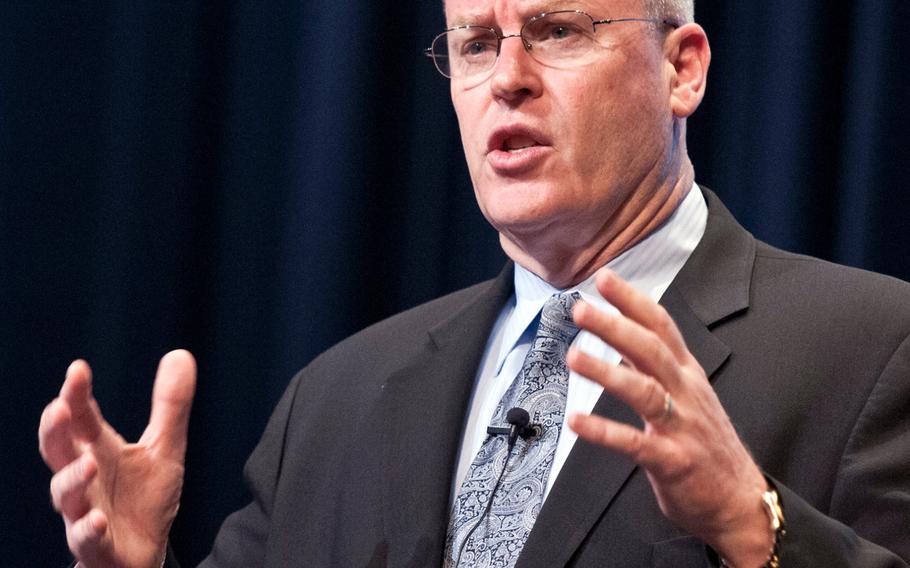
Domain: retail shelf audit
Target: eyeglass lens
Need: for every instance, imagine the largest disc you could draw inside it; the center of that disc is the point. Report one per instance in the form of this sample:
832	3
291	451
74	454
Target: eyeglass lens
556	38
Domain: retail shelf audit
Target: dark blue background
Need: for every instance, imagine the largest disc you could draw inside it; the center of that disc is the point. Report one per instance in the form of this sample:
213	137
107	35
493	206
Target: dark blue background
256	180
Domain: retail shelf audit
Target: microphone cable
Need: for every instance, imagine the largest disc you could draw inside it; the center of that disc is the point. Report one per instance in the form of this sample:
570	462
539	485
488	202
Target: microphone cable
518	419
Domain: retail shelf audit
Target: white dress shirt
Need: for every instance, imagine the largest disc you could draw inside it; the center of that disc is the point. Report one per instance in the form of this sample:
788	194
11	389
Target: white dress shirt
649	266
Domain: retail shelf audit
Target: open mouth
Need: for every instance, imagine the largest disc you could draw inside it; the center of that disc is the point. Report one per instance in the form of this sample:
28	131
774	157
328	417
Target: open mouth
515	144
517	149
515	139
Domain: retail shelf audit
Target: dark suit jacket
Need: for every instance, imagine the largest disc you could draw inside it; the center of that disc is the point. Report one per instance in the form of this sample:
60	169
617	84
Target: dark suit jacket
811	361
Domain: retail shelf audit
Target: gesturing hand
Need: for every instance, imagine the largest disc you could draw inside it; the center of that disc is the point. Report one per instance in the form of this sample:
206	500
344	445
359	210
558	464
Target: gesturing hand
703	477
118	500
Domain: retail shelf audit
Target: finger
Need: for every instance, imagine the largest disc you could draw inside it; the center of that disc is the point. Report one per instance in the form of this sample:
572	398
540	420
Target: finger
85	537
69	484
77	393
641	309
640	346
650	452
55	438
172	398
640	392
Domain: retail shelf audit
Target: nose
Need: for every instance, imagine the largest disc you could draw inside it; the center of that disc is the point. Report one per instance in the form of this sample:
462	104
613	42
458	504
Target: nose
515	75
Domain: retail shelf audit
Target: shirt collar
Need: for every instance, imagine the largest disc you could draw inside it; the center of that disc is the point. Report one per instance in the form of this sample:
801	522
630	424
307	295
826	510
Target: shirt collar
649	266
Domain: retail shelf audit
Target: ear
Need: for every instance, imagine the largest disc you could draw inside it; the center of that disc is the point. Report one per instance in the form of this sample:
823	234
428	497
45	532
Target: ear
688	52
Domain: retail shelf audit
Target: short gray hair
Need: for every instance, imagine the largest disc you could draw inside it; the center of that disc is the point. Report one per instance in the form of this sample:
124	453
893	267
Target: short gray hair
679	11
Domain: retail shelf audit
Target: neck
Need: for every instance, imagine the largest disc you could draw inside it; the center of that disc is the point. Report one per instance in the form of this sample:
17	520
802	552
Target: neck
563	261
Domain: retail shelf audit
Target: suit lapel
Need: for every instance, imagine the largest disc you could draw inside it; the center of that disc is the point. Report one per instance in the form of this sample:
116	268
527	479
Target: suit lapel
711	287
425	405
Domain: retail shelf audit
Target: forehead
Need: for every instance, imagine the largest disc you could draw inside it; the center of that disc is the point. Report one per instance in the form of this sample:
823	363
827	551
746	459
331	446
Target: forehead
460	12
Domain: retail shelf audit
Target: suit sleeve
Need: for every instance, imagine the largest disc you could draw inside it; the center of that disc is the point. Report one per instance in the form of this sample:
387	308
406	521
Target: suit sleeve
242	538
871	499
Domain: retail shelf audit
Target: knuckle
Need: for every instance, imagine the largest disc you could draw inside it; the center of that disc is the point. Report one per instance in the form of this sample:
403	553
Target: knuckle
678	466
45	429
650	392
610	324
665	359
66	486
79	537
59	501
663	322
603	431
74	540
43	421
57	490
78	545
636	445
659	353
579	360
602	369
55	500
651	344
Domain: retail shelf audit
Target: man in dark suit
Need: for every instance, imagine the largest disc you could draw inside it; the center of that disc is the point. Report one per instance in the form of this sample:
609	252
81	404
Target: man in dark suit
574	134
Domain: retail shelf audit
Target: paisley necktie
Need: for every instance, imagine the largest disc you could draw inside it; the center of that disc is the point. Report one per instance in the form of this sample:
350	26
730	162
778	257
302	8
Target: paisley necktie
481	537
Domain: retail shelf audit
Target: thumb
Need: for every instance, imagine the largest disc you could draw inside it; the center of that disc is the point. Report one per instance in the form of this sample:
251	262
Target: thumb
172	397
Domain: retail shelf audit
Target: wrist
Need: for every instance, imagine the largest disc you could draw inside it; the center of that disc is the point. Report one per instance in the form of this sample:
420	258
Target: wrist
774	531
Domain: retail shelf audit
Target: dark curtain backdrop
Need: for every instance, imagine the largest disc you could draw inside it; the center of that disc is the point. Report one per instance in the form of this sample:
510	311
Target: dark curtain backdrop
256	180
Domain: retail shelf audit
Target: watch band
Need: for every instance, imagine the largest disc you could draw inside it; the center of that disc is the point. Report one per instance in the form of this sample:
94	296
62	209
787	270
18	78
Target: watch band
771	502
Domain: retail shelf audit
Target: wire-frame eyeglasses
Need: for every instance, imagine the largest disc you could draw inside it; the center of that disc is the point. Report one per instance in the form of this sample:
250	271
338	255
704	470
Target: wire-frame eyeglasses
564	38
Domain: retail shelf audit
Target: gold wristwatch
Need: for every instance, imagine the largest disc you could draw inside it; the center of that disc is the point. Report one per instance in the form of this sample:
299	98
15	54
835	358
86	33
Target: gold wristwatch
771	502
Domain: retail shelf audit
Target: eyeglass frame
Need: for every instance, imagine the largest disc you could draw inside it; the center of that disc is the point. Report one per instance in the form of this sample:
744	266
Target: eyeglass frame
428	52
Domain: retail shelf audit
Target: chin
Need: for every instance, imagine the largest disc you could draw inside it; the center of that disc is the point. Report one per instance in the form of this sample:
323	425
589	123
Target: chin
533	194
523	217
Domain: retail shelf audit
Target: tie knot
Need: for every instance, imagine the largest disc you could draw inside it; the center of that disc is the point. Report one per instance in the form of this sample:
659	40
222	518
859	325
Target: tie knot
556	318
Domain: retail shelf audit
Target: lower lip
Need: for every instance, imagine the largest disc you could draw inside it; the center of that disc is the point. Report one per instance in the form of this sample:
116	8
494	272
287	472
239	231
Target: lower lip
517	163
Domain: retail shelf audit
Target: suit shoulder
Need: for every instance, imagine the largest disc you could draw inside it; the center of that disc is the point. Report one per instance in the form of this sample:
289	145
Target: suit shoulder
384	345
843	288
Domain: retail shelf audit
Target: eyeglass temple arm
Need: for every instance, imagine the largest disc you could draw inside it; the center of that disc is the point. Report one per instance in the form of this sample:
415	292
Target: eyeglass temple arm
670	23
428	52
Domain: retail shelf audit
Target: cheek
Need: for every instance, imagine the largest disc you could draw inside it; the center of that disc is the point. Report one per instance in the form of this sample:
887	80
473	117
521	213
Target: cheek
593	124
616	123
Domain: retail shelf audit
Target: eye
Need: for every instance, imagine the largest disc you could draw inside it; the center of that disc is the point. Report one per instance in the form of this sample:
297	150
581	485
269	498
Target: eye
473	43
556	29
475	48
560	32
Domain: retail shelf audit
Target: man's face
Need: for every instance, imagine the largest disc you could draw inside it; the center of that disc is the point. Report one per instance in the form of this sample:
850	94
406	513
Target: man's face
562	151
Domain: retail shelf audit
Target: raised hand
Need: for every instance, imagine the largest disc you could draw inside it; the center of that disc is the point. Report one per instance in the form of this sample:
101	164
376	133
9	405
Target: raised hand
118	500
703	477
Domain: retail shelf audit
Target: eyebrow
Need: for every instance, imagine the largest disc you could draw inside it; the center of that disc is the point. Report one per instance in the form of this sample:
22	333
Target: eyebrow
534	7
